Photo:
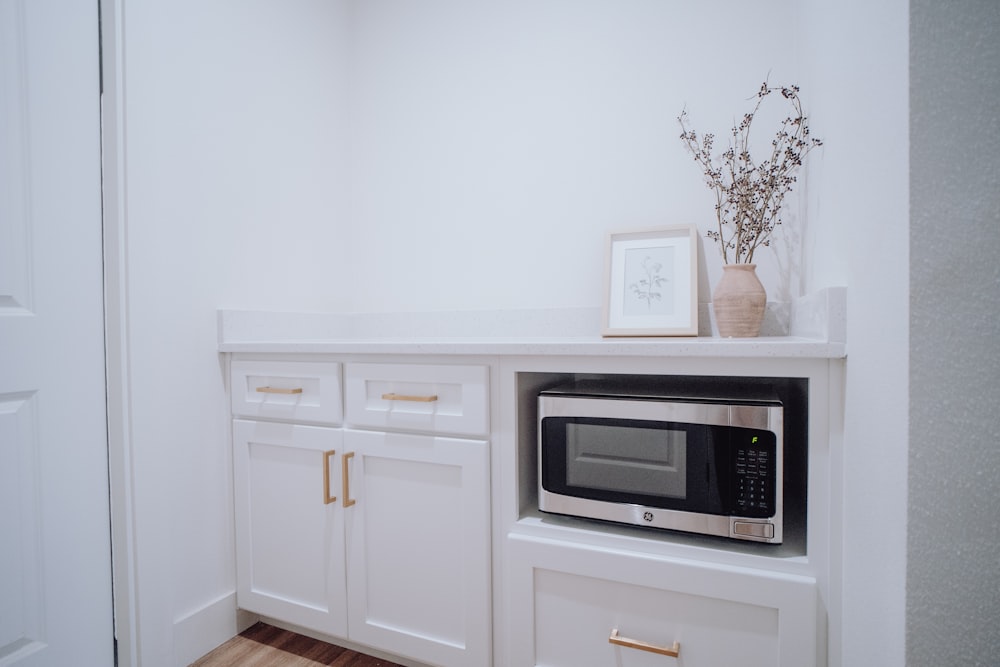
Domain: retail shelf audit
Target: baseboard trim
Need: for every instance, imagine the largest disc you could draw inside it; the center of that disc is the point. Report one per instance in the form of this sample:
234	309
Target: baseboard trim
204	629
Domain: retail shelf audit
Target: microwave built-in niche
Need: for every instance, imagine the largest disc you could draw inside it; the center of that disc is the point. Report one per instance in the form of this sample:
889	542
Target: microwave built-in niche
705	460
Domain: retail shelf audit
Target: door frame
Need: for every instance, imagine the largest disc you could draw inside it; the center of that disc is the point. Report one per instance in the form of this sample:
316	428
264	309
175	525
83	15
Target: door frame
116	328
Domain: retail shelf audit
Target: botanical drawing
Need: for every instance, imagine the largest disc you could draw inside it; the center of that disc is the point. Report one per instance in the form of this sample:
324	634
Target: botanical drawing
648	287
649	281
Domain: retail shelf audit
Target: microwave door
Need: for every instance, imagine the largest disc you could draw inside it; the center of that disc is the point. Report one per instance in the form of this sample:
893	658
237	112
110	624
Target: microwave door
627	460
658	464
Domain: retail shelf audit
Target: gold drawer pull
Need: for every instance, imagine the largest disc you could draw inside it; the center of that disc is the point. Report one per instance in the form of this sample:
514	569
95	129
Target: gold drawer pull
279	390
405	397
672	651
327	498
346	479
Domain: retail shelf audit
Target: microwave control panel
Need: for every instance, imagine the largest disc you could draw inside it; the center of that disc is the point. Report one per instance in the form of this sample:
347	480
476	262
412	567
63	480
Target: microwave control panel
754	477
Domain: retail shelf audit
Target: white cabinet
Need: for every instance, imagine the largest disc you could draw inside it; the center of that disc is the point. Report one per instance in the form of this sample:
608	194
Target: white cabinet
418	538
571	600
419	533
381	537
290	553
380	501
289	529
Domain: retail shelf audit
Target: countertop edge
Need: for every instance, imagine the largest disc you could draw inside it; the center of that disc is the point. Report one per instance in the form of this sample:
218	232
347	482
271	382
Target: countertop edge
784	347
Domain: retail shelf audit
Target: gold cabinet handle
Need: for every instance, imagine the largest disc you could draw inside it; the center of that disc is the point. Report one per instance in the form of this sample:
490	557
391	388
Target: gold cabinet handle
348	501
408	397
327	498
672	651
279	390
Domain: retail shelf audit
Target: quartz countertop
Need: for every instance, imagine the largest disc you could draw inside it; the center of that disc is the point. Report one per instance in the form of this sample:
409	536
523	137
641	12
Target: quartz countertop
784	347
812	327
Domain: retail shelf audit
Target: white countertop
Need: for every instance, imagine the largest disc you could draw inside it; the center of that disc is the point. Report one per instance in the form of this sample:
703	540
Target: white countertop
785	347
817	325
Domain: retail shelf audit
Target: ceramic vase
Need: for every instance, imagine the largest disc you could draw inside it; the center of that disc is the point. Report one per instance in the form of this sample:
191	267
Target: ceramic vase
738	301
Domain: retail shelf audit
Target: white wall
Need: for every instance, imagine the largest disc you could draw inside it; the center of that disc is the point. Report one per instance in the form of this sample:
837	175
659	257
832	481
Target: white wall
399	156
495	144
235	155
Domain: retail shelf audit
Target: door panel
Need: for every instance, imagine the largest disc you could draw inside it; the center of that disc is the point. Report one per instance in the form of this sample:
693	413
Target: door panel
419	546
55	560
21	592
290	524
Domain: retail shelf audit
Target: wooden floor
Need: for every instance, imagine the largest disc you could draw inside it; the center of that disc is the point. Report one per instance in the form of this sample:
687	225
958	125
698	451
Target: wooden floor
264	645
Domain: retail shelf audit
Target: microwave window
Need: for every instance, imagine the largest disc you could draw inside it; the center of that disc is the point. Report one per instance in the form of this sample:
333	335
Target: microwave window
627	459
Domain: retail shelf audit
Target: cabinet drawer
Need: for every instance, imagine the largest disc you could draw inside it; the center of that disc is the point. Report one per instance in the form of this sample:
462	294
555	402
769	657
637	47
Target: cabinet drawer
301	391
415	397
716	615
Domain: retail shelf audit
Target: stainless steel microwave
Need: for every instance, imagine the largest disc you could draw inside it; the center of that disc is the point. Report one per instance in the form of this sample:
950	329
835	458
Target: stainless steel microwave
693	463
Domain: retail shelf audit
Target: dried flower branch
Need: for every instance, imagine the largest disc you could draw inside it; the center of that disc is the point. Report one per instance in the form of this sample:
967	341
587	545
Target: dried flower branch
748	195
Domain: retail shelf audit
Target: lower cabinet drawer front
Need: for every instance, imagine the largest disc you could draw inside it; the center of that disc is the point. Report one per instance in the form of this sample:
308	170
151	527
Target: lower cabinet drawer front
575	616
567	600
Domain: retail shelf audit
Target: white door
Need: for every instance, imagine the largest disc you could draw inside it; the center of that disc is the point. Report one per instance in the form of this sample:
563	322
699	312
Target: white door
55	553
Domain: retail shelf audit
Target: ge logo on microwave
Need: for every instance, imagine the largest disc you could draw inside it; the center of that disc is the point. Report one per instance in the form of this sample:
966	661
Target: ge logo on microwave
647	516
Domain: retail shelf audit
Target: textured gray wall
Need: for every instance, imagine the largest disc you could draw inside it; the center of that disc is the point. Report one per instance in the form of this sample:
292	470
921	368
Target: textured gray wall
953	550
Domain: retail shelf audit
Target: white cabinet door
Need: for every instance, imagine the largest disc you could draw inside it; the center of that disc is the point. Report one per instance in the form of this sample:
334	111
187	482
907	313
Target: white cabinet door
289	523
419	546
567	601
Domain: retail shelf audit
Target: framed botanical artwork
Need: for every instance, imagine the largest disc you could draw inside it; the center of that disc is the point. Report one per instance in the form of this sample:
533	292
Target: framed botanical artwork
652	283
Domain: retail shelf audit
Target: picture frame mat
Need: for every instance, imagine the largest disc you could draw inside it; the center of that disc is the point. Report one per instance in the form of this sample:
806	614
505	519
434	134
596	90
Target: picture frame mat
656	268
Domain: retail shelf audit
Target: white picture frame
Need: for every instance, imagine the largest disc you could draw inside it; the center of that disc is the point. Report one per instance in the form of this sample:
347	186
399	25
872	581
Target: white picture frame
651	285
